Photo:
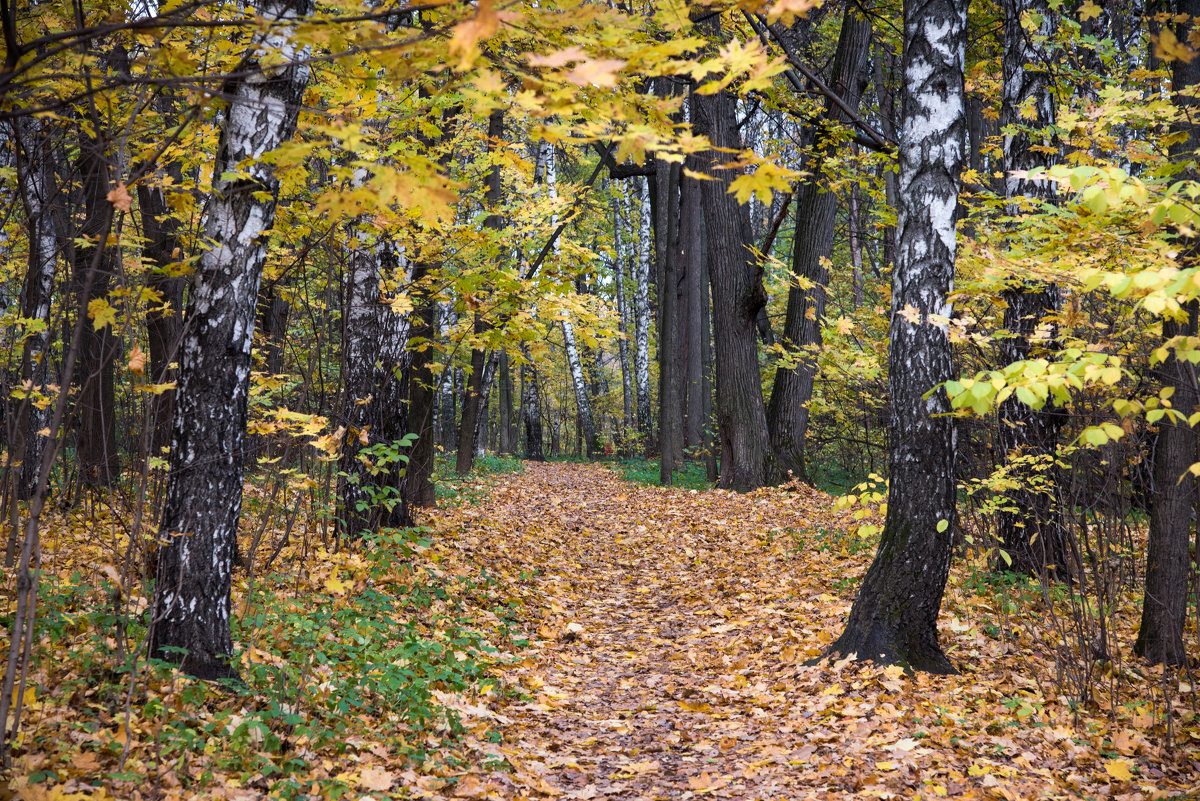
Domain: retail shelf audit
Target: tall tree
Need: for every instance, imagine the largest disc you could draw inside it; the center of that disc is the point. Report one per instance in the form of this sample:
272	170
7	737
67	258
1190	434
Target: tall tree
34	146
738	294
583	404
1168	563
894	618
641	317
375	360
473	399
1031	530
203	499
812	246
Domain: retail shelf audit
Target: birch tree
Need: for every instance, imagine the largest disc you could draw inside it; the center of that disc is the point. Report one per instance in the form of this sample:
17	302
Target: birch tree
203	498
641	315
894	618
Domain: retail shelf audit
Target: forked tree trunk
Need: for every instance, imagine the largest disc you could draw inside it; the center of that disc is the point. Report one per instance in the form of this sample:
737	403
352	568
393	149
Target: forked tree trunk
473	397
203	499
737	295
1031	530
816	209
894	618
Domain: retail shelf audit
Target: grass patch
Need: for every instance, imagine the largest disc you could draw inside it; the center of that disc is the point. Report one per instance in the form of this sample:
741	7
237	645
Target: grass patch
471	489
646	472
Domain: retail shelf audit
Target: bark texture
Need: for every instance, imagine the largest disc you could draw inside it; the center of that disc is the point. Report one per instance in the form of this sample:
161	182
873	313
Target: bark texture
737	295
816	208
894	618
39	192
203	499
531	409
1168	562
641	318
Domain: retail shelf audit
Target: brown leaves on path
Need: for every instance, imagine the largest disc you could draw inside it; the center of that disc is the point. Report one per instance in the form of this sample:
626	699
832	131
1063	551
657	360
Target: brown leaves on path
671	630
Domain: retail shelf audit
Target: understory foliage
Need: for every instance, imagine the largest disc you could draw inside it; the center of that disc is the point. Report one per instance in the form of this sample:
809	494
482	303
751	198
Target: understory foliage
310	310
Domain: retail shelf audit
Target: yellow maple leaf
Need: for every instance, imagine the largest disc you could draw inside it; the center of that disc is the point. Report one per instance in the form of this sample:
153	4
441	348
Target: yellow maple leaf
101	312
1169	48
1118	769
465	39
601	72
120	197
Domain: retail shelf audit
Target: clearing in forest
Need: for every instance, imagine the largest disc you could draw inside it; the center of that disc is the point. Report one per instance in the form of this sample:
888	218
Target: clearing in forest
669	631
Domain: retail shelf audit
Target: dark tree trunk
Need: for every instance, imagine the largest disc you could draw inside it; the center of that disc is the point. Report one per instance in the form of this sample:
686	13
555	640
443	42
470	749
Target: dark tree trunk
737	294
33	143
419	490
204	485
374	362
1168	562
531	409
1031	530
816	208
164	318
894	618
669	429
473	397
506	443
95	265
694	312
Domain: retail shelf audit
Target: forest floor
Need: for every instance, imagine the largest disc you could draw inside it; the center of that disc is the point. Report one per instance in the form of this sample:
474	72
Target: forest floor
561	633
672	631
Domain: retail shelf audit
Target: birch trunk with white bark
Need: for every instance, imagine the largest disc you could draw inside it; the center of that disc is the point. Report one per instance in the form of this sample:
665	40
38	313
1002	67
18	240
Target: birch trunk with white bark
894	618
203	501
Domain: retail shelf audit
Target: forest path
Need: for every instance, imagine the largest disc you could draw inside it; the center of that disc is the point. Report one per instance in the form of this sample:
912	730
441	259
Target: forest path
671	630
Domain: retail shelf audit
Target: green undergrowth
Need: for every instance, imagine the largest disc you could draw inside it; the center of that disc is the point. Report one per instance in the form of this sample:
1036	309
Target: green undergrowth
471	489
344	660
646	472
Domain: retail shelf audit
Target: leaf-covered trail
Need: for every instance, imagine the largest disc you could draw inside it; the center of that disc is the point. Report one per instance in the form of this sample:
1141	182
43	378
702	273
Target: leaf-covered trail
671	629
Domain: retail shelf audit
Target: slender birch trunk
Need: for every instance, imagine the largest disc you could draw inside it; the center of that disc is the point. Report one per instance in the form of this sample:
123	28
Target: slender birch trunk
622	320
641	318
33	142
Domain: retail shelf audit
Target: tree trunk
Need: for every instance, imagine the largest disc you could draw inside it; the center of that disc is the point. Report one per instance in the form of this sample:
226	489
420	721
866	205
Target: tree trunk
506	443
816	208
1031	531
894	618
485	396
374	362
418	485
1168	562
204	485
35	172
95	265
583	405
737	295
623	326
641	320
465	458
669	429
694	311
531	408
164	317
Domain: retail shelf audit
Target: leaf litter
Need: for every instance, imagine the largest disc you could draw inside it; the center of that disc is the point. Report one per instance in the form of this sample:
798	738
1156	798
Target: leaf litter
589	638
